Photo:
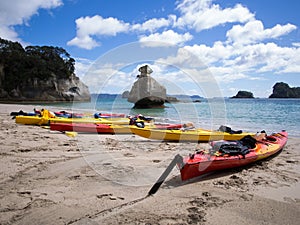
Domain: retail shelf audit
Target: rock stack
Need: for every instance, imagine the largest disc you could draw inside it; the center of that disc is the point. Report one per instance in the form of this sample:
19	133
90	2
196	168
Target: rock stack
146	92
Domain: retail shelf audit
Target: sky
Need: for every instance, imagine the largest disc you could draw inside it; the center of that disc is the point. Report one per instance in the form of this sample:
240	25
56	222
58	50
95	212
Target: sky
205	47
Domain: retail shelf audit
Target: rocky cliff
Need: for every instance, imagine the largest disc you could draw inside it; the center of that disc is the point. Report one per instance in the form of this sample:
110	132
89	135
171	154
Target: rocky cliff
146	92
283	90
50	90
38	73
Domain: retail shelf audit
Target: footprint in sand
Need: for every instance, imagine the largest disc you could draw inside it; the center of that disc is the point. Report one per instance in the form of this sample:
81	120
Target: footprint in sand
292	161
156	160
75	177
24	193
24	150
129	154
196	213
109	196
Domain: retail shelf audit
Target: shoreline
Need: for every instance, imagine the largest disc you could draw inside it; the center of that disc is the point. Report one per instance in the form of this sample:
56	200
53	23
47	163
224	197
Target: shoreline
50	178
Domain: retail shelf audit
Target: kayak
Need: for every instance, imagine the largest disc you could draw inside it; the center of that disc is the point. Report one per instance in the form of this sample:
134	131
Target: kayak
69	114
109	115
45	117
119	121
22	113
45	120
41	120
104	128
88	128
227	155
195	135
31	120
66	114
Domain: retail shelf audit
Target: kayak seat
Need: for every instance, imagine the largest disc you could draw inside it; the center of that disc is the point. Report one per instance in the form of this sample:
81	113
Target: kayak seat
271	139
230	148
234	149
229	130
248	141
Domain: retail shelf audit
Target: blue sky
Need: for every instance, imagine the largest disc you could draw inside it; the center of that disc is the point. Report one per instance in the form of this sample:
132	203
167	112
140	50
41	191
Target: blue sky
205	47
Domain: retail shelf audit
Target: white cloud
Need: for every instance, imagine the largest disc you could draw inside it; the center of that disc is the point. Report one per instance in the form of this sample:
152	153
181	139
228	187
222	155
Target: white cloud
292	69
153	24
263	58
202	14
215	54
90	27
183	59
195	14
8	32
254	31
82	66
166	37
297	44
228	63
96	26
227	74
242	57
119	81
85	42
105	78
17	12
281	59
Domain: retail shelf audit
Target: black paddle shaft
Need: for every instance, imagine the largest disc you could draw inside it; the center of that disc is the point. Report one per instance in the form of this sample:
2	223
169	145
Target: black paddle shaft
161	179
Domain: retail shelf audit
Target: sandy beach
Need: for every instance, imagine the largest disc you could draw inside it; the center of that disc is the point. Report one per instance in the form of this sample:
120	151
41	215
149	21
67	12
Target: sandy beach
50	178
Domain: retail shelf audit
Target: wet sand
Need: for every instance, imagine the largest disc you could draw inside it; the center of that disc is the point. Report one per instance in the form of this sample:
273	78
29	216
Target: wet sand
50	178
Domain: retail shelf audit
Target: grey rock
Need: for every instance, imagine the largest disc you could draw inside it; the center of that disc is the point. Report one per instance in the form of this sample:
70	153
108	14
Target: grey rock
52	89
146	92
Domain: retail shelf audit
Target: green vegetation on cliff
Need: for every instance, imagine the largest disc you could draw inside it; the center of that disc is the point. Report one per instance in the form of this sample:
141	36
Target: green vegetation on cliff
18	66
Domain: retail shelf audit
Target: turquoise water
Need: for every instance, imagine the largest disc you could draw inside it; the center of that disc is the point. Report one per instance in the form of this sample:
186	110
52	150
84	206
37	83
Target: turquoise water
271	115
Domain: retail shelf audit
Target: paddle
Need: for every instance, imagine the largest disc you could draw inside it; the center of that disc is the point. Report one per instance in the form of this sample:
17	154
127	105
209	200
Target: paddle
161	179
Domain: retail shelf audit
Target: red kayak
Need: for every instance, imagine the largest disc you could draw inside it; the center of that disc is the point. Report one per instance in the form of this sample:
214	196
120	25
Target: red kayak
69	114
109	115
168	126
83	127
226	155
103	128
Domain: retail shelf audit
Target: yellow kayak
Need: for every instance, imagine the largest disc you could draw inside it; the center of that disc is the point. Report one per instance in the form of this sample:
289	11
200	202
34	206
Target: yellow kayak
47	117
36	120
105	128
195	135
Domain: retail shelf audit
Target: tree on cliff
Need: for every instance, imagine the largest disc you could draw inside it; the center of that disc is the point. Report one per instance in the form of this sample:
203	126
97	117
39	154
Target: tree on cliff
19	65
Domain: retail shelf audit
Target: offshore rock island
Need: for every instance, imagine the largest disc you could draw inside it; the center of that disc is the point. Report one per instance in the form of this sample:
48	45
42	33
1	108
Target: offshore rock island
38	74
243	94
280	90
146	92
283	90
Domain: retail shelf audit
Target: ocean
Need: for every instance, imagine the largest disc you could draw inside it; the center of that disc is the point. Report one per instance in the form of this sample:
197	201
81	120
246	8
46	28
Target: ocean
255	115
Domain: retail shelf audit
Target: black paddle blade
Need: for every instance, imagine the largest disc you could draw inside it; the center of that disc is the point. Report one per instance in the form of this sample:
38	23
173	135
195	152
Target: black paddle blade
177	159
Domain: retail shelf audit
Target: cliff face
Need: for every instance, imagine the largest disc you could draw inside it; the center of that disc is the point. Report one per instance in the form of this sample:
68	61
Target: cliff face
283	90
52	89
38	73
146	92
